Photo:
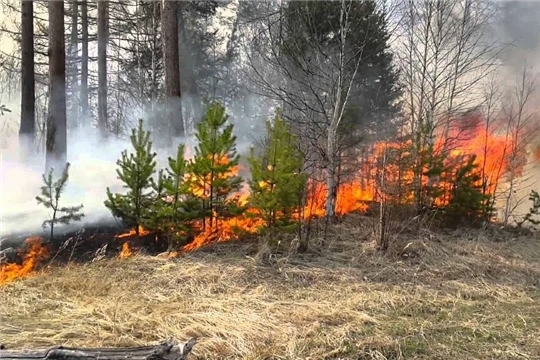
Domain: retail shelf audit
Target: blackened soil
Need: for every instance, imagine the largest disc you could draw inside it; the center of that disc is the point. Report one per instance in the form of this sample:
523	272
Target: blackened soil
84	245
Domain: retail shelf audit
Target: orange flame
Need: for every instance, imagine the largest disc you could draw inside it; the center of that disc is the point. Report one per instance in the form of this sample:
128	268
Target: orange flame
36	253
126	251
391	159
133	232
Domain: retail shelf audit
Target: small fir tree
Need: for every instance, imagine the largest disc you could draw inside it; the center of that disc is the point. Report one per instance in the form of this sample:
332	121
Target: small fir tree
466	201
173	210
135	171
213	169
277	181
534	210
50	198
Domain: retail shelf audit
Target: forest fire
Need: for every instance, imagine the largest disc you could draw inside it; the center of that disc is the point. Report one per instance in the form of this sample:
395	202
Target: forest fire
36	253
491	158
125	252
491	154
133	232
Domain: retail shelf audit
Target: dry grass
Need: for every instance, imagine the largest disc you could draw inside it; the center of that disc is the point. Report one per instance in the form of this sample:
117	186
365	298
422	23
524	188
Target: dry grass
449	299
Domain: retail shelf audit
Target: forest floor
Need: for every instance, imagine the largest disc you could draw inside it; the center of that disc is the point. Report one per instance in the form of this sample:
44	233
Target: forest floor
446	296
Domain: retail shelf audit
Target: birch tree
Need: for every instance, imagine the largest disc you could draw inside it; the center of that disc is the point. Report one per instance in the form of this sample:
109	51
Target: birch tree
520	113
443	56
326	69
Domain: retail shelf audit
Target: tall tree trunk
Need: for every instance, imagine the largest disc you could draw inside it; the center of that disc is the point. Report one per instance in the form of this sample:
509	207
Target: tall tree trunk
56	142
74	67
28	110
331	185
188	85
172	69
103	34
84	63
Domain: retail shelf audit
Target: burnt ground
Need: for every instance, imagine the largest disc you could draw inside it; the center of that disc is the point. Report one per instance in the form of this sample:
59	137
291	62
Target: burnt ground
82	244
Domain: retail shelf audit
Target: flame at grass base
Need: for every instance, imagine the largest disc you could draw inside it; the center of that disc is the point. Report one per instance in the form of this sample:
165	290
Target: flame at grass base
126	251
225	230
36	253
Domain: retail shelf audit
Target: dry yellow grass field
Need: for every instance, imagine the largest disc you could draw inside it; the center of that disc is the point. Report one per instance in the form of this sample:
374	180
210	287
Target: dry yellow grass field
451	298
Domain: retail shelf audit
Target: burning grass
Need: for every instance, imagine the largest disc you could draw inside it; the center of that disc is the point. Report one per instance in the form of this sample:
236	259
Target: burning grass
440	296
31	257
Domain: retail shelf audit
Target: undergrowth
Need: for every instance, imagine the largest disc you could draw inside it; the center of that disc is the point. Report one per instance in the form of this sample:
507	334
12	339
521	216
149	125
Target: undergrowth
435	296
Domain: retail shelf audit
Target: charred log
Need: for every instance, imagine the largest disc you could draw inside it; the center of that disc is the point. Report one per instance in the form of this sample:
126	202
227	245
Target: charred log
165	351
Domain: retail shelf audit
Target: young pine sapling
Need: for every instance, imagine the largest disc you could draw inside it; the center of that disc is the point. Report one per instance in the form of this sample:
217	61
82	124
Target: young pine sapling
50	198
174	208
135	171
212	176
534	210
277	181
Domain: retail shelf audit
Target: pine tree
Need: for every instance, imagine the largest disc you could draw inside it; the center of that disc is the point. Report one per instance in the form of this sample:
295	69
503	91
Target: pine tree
185	207
534	210
135	171
466	203
276	178
213	168
50	198
155	219
173	209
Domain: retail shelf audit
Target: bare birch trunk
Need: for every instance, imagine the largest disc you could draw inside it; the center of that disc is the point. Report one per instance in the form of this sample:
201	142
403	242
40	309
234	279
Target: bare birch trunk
383	239
330	176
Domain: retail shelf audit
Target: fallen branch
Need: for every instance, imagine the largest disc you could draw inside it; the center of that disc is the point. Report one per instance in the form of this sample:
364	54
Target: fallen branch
165	351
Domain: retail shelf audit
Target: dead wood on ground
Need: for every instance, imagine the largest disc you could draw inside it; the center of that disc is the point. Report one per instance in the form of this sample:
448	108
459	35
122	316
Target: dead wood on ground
164	351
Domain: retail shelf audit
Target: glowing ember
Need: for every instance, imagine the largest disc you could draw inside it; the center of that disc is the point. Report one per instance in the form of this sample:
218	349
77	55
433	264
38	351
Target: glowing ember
126	251
35	254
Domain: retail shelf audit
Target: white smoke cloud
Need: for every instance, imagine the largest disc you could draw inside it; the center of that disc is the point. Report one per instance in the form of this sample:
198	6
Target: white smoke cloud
93	169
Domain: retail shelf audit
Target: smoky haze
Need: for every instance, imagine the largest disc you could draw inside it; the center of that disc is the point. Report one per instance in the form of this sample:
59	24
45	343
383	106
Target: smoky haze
93	169
519	26
93	163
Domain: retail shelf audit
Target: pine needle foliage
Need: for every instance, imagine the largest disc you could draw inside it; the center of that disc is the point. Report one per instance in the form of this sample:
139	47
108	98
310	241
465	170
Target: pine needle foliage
277	182
135	171
51	192
212	171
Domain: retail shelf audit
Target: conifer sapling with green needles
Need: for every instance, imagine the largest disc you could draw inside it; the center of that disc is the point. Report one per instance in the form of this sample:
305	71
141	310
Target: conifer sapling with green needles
212	177
277	181
135	171
51	192
173	208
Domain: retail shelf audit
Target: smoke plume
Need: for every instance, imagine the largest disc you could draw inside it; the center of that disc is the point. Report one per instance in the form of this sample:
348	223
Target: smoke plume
93	169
